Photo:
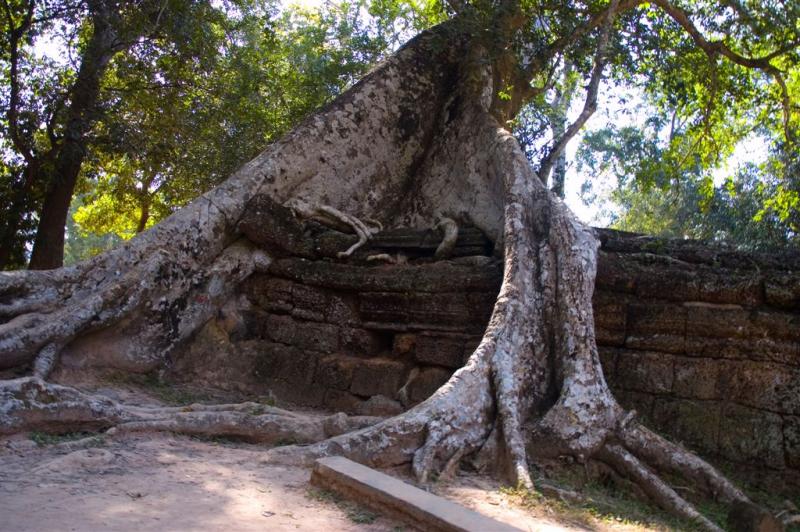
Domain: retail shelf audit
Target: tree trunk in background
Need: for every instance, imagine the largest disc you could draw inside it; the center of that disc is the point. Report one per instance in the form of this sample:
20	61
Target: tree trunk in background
48	247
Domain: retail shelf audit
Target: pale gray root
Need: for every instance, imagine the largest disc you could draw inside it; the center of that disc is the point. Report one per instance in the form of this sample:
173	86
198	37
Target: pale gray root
449	229
31	404
658	490
664	455
335	218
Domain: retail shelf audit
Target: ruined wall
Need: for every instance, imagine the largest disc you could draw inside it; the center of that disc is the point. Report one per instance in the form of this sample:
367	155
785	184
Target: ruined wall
704	344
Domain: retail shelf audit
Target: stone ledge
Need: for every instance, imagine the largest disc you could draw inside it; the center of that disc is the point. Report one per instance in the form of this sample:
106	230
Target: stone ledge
400	500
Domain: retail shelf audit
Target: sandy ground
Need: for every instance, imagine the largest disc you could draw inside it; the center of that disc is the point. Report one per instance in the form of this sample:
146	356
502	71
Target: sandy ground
162	482
155	482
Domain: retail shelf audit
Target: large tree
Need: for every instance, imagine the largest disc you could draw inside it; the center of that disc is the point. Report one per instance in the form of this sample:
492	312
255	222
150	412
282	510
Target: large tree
421	138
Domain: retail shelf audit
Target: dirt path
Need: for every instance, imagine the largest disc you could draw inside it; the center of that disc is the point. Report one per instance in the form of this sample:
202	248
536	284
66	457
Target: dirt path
155	482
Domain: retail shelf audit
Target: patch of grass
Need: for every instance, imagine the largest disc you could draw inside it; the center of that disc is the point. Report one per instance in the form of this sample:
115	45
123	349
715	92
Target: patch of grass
606	505
43	439
165	392
217	440
355	512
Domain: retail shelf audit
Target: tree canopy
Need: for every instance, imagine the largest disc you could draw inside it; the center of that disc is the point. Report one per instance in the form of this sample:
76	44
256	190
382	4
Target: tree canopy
188	91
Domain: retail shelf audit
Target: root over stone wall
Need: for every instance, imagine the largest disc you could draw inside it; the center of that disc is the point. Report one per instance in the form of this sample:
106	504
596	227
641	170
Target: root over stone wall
703	342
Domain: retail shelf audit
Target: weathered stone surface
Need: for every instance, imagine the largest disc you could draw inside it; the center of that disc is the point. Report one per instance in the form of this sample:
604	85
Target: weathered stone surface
442	276
320	337
388	495
643	403
275	227
441	350
269	293
449	309
745	290
608	359
717	322
342	401
379	405
423	383
791	439
280	328
760	385
752	436
282	362
610	317
696	378
782	290
377	376
386	307
342	310
693	422
655	318
335	372
645	371
614	274
310	303
667	343
362	342
668	283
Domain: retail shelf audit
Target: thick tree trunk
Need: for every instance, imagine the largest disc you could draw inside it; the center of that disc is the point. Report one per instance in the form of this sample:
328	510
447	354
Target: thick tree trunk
48	247
412	142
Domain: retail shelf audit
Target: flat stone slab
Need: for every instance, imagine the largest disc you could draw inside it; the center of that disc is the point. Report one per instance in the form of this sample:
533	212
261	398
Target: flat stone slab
398	499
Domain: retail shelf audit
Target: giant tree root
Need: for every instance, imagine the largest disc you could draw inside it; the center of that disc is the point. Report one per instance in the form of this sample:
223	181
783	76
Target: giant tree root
30	404
534	386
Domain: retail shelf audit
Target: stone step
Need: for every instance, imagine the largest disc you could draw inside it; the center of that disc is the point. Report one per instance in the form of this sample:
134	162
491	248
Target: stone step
399	500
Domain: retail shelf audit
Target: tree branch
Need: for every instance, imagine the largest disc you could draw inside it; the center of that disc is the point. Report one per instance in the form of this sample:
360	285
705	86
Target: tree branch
12	113
590	105
719	48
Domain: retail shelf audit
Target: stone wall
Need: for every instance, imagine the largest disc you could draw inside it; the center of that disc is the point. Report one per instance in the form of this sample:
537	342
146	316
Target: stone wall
704	344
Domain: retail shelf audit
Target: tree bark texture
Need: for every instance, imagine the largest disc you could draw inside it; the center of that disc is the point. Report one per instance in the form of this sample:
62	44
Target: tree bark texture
413	142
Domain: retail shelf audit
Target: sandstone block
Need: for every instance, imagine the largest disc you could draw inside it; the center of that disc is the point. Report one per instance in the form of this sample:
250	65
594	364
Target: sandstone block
320	337
335	372
310	303
377	376
447	351
362	342
791	439
751	435
270	293
379	405
342	401
782	290
423	383
692	422
696	378
651	319
645	372
280	328
667	283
